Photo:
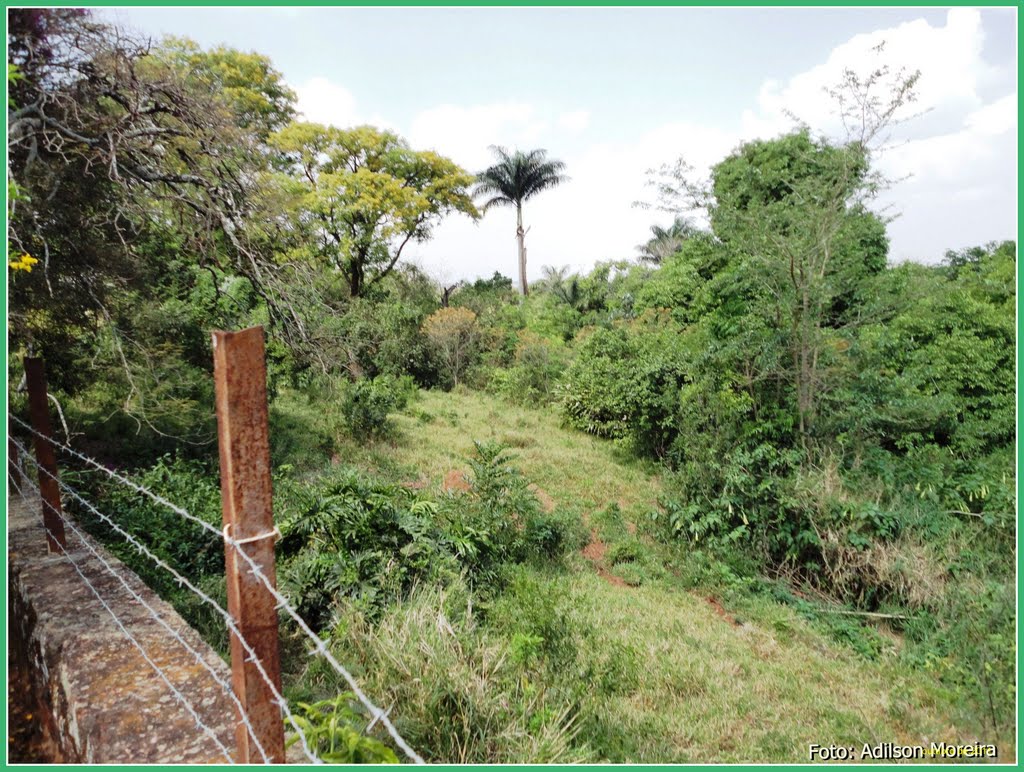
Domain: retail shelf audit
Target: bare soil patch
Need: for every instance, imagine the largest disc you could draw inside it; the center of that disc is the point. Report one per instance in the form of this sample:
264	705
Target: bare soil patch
595	552
455	480
720	610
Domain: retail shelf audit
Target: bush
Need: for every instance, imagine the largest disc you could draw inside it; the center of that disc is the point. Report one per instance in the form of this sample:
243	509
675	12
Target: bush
360	540
190	549
625	384
455	339
969	643
532	378
303	435
367	403
335	731
532	614
499	520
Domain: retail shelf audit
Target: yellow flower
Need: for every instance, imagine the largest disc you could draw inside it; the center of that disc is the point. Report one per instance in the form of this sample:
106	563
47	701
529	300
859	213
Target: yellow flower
23	263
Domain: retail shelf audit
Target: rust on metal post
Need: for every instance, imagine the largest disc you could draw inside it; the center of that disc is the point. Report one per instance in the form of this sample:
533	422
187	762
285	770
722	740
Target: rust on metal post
246	495
39	410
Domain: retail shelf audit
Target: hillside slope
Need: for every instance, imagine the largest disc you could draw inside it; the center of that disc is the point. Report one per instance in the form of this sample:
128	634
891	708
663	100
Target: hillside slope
702	675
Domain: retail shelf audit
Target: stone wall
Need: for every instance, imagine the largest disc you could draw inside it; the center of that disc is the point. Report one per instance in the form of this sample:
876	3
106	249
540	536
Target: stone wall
96	696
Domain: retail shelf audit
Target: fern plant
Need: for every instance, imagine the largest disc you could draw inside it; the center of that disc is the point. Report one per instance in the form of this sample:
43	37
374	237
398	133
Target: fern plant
330	727
361	540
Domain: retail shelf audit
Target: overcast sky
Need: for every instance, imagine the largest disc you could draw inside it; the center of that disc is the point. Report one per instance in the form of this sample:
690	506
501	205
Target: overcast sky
614	92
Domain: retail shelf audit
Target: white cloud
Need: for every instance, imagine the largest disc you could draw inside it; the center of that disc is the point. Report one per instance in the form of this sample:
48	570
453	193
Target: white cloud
322	101
950	157
464	133
948	57
962	188
575	121
996	118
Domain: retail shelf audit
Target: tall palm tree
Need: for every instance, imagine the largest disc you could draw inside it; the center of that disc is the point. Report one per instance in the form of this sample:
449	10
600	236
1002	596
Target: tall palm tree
517	177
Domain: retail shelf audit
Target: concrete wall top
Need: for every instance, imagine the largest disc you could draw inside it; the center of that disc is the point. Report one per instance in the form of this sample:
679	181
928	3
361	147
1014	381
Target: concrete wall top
99	699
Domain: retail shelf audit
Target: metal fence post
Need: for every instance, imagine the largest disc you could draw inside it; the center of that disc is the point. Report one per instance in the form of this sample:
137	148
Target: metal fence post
246	495
46	457
13	462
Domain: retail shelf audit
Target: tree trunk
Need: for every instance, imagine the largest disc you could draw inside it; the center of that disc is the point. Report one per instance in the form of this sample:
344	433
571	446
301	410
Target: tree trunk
520	237
355	281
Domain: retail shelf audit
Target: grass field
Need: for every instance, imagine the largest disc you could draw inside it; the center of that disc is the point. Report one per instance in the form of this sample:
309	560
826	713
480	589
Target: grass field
687	673
578	473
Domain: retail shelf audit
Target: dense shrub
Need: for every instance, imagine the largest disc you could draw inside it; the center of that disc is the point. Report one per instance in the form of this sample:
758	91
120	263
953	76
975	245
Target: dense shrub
498	519
382	334
625	384
365	543
193	551
359	539
367	403
455	338
534	374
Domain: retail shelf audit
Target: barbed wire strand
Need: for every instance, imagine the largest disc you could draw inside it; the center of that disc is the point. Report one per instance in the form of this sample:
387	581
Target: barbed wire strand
13	478
120	478
320	647
183	581
145	655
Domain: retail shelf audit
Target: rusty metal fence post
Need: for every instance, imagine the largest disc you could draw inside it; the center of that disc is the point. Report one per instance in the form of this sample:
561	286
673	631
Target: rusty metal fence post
46	457
13	462
246	495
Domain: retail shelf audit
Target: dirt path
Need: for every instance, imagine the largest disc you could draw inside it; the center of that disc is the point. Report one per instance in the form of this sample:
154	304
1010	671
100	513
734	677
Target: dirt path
595	552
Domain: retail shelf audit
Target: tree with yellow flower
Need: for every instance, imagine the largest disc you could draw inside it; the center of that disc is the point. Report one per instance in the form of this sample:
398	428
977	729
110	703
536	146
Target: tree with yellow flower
354	199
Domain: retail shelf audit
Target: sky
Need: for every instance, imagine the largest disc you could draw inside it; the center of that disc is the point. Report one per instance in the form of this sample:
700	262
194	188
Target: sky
616	92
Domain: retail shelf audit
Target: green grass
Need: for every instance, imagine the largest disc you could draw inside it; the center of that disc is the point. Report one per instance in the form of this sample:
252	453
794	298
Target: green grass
617	657
712	690
578	472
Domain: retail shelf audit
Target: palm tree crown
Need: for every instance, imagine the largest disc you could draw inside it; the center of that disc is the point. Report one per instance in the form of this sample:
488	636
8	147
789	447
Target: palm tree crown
516	177
665	242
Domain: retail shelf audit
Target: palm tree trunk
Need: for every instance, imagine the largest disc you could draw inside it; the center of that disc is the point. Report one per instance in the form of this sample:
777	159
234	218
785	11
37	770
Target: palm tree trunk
520	237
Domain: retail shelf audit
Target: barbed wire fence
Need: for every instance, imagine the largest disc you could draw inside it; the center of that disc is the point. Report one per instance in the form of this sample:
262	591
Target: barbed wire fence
180	580
177	694
260	715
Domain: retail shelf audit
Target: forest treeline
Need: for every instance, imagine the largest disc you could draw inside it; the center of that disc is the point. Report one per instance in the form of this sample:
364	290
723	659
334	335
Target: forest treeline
825	419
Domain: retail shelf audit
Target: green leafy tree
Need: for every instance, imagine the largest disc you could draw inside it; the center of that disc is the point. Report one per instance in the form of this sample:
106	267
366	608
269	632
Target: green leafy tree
516	178
353	199
248	82
794	209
